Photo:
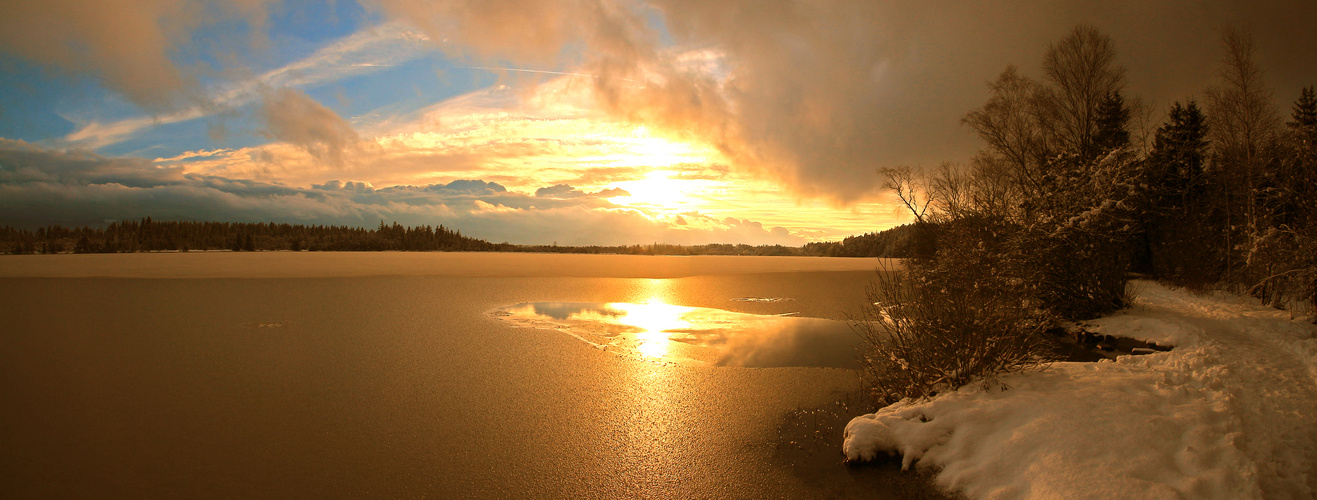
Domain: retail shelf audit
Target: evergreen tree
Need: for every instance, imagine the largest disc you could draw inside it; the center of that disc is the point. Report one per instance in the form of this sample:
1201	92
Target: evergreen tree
1179	154
1305	110
1180	214
1297	186
1112	124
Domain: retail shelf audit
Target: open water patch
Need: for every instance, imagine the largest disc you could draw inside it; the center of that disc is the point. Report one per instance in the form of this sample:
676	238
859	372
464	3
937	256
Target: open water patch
809	445
665	333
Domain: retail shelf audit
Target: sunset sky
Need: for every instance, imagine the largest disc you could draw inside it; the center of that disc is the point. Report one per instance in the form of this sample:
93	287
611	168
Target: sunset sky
567	121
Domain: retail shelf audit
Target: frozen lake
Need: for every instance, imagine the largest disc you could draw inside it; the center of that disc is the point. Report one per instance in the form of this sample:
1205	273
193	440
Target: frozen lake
392	374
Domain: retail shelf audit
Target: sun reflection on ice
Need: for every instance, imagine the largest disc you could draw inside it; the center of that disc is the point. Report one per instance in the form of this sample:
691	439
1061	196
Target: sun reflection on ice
656	331
655	320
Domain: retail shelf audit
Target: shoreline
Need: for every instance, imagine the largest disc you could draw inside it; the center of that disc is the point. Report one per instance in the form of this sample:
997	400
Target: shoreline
198	265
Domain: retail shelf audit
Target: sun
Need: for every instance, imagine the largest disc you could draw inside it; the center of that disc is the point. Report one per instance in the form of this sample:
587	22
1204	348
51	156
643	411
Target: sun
658	188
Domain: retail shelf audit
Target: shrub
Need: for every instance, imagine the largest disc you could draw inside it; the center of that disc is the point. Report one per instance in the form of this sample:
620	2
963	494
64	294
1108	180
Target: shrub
922	338
1283	267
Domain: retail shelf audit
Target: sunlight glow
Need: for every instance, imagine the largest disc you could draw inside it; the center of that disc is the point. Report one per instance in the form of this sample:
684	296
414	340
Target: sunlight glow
655	319
658	152
658	188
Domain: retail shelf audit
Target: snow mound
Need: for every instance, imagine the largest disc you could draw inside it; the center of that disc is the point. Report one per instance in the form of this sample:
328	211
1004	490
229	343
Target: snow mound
1156	330
1230	413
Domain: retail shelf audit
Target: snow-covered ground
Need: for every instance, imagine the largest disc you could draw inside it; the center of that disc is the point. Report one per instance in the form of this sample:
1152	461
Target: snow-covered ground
1230	413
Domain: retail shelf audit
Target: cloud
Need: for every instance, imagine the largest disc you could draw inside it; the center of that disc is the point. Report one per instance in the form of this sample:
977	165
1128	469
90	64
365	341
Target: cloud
528	140
526	147
22	162
526	31
564	191
126	44
41	186
368	50
468	186
350	186
294	117
819	94
531	140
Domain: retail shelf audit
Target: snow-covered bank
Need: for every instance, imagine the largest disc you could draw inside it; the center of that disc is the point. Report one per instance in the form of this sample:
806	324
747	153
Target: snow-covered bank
1230	413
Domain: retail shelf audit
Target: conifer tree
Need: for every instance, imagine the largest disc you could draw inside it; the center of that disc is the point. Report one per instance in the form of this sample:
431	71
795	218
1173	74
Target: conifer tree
1305	110
1113	118
1179	153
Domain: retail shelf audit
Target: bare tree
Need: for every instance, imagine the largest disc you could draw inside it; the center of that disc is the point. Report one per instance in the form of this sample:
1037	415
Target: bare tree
952	190
1244	128
1009	123
913	188
992	185
1081	68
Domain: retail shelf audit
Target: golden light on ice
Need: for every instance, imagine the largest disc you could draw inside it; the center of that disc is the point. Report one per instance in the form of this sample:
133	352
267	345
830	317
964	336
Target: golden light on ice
654	319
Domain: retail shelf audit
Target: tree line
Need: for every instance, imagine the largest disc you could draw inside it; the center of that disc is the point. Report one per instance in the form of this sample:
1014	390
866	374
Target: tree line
149	235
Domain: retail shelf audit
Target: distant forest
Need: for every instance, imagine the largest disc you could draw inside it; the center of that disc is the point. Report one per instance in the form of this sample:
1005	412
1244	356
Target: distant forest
149	235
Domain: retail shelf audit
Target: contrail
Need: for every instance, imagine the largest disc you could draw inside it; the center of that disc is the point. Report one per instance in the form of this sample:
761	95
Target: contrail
533	71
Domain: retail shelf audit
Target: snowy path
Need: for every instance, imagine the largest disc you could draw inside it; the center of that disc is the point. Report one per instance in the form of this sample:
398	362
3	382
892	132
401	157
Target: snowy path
1230	413
1271	381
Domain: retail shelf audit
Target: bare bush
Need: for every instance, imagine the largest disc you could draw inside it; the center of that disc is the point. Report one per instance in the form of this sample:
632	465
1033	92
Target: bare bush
921	340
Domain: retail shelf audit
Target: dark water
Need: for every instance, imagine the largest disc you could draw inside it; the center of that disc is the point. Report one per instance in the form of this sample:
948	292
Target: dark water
397	386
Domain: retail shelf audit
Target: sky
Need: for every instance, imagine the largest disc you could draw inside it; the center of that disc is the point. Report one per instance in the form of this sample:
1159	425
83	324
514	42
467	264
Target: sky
573	122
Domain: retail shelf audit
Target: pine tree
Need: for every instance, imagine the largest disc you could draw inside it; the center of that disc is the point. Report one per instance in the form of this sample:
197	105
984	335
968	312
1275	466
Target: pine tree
1298	175
1112	124
1305	110
1179	214
1179	153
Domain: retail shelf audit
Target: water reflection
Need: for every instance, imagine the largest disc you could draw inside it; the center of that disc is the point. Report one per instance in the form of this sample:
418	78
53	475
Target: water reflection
657	331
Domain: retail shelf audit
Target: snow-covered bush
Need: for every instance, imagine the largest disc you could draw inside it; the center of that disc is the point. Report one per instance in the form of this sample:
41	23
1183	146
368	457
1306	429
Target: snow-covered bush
1283	265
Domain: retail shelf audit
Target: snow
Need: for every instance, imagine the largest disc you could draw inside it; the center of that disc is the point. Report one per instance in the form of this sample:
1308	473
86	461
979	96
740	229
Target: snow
1231	412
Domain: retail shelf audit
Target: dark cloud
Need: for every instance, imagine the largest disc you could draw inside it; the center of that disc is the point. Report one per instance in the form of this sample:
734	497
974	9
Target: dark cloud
22	162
